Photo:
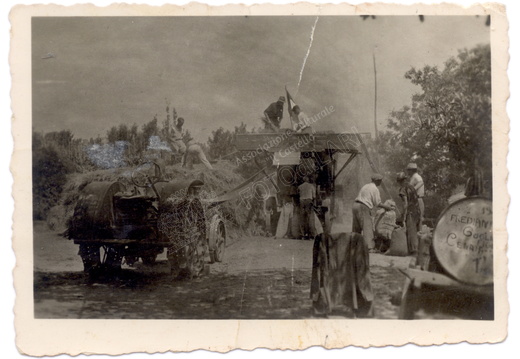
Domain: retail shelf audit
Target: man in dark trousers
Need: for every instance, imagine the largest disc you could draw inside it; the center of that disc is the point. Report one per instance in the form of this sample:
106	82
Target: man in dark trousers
368	199
417	182
411	212
307	196
274	114
273	211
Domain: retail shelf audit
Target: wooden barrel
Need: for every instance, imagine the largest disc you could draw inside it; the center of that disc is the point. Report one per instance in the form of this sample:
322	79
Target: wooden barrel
463	240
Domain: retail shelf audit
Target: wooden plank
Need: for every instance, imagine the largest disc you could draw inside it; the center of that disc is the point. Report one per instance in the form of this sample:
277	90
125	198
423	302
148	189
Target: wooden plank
345	165
300	142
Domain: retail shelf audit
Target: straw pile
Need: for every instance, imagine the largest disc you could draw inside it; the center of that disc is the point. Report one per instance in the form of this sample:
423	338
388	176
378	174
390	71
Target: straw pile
222	178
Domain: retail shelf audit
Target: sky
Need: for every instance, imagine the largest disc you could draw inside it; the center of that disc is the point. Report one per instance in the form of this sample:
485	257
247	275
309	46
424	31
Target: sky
93	73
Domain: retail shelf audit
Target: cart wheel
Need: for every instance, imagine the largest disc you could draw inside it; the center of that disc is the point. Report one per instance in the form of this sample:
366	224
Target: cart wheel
217	239
408	301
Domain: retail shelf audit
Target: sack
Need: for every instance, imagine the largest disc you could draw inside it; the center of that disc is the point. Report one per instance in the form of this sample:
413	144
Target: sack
398	245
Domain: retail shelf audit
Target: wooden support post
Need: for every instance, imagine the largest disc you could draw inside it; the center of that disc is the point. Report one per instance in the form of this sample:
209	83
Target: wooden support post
354	154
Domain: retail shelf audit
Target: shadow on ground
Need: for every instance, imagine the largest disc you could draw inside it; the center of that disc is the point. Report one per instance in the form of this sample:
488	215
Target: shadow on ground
258	294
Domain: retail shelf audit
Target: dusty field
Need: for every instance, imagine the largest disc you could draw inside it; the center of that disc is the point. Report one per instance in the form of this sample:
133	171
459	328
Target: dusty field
261	278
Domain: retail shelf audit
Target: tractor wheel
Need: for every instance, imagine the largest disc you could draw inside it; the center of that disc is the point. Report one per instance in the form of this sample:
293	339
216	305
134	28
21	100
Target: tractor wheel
217	239
90	256
196	257
149	260
131	260
189	261
95	265
112	258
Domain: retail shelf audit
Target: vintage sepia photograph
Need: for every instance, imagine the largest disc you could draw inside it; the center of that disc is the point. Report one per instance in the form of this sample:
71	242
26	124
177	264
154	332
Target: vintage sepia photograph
276	167
262	167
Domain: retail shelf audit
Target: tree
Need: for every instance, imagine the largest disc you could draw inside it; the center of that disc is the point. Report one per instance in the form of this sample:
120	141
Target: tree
60	139
49	175
150	129
447	129
220	143
37	140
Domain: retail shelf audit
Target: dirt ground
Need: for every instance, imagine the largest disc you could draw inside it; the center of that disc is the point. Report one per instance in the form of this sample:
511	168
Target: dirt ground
260	278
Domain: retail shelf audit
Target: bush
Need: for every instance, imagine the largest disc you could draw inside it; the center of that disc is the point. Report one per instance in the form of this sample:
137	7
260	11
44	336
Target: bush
49	177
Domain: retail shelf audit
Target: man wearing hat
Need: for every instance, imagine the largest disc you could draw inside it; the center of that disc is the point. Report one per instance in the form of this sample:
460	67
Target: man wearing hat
367	199
274	114
411	213
416	181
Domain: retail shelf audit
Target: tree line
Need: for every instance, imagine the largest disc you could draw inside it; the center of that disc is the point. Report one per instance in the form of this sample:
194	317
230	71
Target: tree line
447	127
446	130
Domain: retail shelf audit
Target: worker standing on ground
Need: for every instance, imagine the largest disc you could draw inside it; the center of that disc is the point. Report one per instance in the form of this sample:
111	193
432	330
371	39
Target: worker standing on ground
417	182
307	197
274	114
367	199
256	212
411	212
273	211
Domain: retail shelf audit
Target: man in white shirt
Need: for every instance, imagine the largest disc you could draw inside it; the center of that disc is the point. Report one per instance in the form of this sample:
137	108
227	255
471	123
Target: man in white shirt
176	140
417	182
299	119
188	150
367	199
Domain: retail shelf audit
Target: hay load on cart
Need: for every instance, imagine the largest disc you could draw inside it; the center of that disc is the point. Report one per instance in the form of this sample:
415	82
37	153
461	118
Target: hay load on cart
115	223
